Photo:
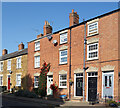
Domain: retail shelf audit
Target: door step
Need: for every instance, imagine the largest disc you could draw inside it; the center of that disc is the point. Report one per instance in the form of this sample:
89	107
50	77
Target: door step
76	99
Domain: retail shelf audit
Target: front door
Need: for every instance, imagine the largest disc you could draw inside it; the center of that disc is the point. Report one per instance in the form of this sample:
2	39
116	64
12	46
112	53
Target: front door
8	82
49	82
79	86
92	88
108	84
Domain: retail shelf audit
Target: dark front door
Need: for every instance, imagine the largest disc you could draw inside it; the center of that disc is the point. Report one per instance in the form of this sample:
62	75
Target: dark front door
79	86
92	88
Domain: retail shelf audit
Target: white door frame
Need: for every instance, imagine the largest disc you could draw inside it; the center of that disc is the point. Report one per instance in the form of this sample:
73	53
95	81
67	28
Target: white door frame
87	84
75	84
47	82
107	72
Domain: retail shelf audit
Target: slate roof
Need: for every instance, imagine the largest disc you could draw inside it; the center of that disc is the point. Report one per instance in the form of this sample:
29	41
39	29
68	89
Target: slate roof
14	54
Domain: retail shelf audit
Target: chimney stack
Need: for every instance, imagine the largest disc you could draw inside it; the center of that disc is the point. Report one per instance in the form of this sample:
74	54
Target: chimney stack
73	18
40	35
47	28
21	46
4	51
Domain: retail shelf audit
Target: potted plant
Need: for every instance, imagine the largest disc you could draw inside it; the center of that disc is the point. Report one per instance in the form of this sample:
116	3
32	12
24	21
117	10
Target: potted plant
71	82
54	87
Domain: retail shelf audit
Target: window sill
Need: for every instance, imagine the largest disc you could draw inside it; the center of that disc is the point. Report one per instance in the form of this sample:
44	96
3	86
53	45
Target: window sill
36	67
93	35
35	87
18	85
63	43
62	87
63	63
92	59
36	50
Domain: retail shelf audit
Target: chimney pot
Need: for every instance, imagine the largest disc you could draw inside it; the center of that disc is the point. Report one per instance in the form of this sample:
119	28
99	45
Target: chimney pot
4	51
21	46
72	10
40	35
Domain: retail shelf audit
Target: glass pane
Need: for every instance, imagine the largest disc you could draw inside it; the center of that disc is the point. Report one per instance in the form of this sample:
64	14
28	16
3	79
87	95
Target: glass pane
105	81
64	53
63	77
64	59
110	81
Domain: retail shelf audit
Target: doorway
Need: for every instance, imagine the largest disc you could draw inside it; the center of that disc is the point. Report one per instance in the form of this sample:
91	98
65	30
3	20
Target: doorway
49	82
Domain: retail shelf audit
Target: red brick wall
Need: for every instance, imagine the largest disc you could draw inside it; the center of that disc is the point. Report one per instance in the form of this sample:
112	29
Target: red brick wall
108	52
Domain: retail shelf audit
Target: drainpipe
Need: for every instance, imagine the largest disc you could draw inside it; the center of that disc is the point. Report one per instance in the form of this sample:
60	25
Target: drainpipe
84	60
70	68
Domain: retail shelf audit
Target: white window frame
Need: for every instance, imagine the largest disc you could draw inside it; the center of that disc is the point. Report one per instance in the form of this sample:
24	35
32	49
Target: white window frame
36	63
9	65
63	36
18	80
94	30
1	66
37	46
95	50
60	57
36	81
60	80
18	63
1	81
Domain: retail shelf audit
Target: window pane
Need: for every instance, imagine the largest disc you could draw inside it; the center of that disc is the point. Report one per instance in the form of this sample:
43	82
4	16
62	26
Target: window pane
63	83
63	53
110	81
63	38
105	81
64	59
37	46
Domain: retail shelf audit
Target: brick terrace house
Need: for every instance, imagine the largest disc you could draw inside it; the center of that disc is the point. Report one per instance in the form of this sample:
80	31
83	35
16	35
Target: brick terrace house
64	49
13	68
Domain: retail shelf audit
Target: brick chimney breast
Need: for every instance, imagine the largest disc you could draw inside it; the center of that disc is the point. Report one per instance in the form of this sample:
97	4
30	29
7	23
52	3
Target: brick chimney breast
21	46
47	28
73	18
4	51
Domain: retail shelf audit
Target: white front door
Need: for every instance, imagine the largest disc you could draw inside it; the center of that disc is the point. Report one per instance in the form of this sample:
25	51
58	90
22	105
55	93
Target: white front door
49	82
108	84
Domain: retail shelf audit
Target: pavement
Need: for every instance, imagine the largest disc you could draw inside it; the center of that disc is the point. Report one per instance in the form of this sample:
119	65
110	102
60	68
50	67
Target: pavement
51	102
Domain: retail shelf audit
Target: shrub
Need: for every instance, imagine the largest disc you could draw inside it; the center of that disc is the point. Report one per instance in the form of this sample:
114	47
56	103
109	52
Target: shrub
112	103
25	93
43	79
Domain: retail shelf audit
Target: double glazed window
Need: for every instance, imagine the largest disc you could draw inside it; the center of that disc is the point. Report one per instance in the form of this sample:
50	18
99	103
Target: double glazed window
36	80
37	61
92	51
63	56
37	46
1	66
92	28
63	38
18	62
9	65
63	81
18	80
